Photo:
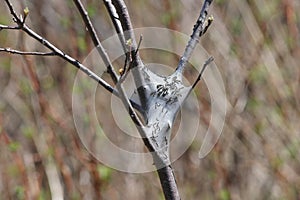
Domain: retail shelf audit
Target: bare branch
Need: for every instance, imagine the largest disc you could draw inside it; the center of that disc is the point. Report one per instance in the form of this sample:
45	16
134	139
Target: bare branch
202	71
58	52
13	13
95	39
66	57
124	19
132	56
164	92
168	183
207	25
133	115
127	29
126	68
129	37
29	53
3	27
165	173
116	22
139	44
200	28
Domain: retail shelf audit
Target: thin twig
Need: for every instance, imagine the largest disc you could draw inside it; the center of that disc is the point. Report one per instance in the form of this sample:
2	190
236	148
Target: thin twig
95	39
106	60
139	44
124	18
68	58
29	53
136	61
126	68
120	30
199	29
127	29
3	27
202	71
60	53
13	13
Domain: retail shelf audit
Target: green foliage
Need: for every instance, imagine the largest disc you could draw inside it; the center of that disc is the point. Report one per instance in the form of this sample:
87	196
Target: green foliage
293	149
14	146
13	170
28	131
104	172
236	25
25	86
4	19
267	11
260	126
253	104
277	162
258	74
92	10
81	44
5	61
166	18
65	22
44	195
50	151
75	196
220	2
224	194
20	192
47	82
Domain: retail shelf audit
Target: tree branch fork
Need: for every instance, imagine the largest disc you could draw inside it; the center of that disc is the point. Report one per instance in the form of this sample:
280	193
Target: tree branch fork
157	98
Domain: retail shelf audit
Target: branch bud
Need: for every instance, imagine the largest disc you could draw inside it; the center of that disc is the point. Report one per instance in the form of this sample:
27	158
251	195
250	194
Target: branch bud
129	42
25	12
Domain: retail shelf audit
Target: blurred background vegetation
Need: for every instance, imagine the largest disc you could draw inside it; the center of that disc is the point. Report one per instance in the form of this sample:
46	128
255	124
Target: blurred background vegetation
256	46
